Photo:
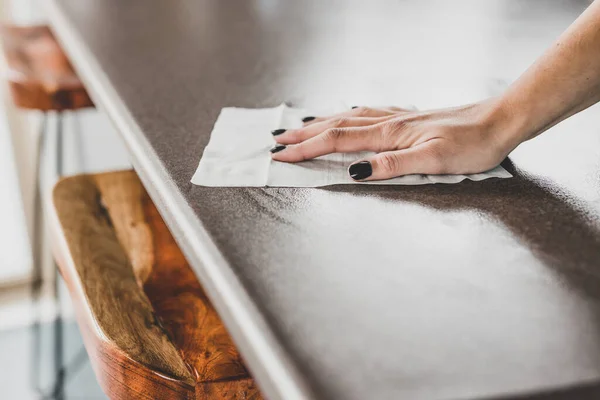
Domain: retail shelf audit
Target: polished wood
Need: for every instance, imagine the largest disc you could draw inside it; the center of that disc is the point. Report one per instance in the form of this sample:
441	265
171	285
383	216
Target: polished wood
148	326
39	74
121	194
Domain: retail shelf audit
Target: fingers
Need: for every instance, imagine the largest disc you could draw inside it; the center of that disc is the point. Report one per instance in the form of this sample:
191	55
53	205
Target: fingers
421	159
355	112
336	140
292	136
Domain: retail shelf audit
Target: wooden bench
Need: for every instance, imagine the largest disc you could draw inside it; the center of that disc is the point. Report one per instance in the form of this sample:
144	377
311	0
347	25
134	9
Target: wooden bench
148	327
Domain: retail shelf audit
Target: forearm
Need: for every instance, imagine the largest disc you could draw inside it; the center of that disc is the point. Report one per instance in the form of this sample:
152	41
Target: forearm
562	82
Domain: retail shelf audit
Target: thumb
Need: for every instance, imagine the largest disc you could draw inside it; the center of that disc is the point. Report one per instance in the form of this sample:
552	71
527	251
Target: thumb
390	164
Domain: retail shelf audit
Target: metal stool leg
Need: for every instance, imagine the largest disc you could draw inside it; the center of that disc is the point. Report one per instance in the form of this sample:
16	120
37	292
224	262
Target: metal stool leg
36	284
62	371
76	139
59	144
58	391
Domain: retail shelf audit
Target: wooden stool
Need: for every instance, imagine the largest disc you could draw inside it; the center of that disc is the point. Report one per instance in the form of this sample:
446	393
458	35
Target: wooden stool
148	326
41	78
39	74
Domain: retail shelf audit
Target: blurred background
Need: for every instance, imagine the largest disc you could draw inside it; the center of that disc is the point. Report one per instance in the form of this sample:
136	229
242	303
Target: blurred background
28	349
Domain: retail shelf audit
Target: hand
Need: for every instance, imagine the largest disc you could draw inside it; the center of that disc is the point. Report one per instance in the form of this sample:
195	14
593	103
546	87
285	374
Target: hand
468	139
463	140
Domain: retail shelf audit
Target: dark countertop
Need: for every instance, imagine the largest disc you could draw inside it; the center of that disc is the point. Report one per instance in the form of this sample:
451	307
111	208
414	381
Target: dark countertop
434	292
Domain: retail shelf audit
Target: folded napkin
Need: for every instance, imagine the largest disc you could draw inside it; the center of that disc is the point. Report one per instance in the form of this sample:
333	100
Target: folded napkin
238	155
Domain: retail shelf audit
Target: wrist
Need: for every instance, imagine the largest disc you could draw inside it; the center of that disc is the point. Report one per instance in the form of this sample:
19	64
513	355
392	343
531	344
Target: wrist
508	125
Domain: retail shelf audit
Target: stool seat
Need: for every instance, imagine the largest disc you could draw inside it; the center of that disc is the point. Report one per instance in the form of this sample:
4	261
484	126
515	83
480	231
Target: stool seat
39	74
147	324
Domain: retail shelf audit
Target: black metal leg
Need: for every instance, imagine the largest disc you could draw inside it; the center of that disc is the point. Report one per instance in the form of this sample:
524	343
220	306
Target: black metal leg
59	144
36	284
58	391
62	371
76	139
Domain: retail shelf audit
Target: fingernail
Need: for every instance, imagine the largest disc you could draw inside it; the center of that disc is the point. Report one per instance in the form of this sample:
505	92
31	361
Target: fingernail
277	148
353	107
308	119
360	170
277	132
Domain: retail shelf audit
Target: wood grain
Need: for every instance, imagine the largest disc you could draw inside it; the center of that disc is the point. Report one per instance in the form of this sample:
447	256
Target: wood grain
165	341
38	72
193	324
123	196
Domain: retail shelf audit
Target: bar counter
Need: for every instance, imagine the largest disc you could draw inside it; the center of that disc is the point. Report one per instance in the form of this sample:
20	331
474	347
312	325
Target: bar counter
476	290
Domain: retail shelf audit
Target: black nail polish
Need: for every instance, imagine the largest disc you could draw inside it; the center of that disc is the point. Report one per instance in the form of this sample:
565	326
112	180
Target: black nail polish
360	170
277	132
308	119
277	148
353	107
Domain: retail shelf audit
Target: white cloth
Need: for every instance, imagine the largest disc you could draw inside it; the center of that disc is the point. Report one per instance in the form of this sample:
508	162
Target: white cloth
238	155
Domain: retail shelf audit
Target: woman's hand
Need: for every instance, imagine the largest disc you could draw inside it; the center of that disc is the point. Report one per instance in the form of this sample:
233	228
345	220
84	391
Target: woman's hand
469	139
461	140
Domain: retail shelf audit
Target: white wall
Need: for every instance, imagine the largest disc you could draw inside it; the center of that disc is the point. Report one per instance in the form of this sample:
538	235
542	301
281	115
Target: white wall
16	195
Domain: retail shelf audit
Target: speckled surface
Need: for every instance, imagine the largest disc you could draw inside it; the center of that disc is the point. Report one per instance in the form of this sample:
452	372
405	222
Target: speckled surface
474	290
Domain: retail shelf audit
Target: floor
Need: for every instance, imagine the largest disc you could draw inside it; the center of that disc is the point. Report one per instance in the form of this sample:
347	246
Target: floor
18	382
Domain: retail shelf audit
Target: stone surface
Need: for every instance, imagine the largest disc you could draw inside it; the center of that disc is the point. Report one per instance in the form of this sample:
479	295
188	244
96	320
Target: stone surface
486	289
